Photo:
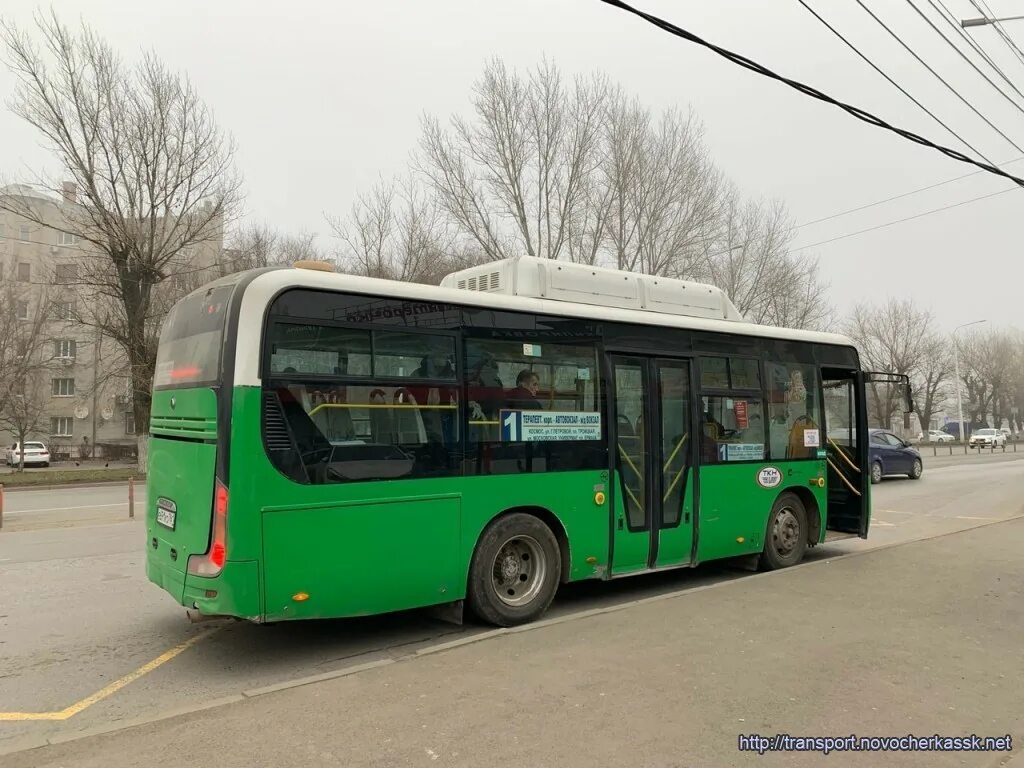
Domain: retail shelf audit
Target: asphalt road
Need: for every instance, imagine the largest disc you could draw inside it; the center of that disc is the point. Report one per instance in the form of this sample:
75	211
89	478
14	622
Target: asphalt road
77	614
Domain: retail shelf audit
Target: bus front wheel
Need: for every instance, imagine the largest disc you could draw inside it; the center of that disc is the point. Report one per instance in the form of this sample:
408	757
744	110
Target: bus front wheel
515	570
786	538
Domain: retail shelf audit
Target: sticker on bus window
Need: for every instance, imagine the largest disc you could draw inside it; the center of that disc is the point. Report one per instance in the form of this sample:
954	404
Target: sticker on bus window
812	438
538	426
742	422
741	452
531	350
583	374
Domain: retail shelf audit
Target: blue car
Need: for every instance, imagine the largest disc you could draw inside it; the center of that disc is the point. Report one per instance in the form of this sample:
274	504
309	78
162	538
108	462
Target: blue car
889	455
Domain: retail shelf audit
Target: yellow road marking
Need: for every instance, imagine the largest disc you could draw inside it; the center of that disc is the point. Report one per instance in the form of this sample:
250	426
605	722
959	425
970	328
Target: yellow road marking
111	689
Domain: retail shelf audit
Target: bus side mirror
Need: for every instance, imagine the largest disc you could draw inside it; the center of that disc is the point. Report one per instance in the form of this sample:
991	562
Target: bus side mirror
909	395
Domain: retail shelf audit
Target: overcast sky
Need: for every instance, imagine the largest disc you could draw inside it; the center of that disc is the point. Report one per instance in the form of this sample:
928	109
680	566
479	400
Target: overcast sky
325	97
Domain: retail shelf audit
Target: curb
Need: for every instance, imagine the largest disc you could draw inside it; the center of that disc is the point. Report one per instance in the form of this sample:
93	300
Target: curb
32	742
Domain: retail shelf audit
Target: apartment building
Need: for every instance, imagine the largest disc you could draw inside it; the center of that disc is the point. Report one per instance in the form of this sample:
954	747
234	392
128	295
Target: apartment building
86	389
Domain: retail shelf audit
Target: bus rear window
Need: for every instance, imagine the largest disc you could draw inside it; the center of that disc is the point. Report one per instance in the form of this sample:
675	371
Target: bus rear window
191	339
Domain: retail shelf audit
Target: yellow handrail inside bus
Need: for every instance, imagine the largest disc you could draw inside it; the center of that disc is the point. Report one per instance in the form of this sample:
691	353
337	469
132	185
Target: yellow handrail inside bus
678	446
842	453
385	405
843	477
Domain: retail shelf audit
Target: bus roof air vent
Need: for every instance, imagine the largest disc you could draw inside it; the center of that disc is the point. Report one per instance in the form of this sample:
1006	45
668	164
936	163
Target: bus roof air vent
319	266
583	284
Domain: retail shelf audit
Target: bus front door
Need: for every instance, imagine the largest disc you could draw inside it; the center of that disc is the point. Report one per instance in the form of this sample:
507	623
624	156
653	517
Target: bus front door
652	516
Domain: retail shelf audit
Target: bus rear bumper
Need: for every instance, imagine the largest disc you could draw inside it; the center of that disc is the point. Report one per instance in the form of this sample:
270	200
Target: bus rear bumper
235	592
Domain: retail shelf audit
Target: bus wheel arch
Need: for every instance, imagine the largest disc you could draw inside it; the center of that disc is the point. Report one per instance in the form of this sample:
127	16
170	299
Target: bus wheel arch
517	564
812	513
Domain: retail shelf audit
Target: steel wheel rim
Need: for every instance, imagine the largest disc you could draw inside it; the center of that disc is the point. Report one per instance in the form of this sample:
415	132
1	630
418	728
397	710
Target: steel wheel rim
518	571
785	531
876	471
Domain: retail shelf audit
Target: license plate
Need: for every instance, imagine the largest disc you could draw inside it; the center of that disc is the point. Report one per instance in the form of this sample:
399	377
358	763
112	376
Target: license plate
166	513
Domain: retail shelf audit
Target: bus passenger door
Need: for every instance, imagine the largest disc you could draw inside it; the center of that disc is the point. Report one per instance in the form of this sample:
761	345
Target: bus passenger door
653	491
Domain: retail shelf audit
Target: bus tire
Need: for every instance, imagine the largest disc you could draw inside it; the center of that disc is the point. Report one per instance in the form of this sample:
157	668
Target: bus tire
785	539
515	570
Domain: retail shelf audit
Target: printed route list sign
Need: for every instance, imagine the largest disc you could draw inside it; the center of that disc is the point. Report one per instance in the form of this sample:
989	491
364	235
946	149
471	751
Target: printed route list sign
538	426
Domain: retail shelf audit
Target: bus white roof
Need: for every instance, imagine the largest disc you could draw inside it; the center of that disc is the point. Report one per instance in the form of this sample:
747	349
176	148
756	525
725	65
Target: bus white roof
263	288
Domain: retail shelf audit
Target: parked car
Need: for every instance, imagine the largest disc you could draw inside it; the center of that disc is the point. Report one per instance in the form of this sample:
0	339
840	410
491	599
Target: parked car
936	436
35	454
889	455
987	437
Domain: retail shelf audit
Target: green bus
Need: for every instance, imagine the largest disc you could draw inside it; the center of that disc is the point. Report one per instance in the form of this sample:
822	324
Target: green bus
324	445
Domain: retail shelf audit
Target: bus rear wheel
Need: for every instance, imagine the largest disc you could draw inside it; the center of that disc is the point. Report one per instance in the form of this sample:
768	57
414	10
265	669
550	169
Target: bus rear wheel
785	540
515	571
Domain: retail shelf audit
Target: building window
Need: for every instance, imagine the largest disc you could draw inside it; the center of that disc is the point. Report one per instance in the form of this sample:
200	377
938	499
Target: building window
63	310
66	274
21	310
60	426
66	238
24	272
794	411
24	232
129	423
63	387
65	348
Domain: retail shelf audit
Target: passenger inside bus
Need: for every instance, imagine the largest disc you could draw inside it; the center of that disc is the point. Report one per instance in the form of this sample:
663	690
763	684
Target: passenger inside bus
524	396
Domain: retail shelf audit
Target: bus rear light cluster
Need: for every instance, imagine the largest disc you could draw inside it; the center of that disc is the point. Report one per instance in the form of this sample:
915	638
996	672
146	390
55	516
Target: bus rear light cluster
212	562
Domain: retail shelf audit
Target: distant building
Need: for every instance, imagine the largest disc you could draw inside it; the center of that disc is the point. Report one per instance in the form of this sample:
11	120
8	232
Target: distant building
89	396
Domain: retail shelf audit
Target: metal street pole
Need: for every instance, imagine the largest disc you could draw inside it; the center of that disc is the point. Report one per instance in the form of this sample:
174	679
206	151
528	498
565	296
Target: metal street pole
984	21
956	366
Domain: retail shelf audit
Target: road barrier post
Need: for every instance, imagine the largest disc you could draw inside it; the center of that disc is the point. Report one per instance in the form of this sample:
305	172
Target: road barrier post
1	505
131	498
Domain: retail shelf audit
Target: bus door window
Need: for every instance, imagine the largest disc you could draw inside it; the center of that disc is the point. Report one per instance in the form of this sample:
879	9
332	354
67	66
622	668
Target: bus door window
630	447
794	411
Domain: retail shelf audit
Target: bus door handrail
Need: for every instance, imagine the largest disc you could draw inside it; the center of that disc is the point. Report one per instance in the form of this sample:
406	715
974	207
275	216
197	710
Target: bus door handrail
843	477
842	453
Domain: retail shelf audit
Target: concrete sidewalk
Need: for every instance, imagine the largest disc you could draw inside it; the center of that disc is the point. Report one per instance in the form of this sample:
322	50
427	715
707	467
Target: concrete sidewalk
922	638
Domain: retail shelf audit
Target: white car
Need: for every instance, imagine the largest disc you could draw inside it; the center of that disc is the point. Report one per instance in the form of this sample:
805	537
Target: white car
936	436
987	437
35	454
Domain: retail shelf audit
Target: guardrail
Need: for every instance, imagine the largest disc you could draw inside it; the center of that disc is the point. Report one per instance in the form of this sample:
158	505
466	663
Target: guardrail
938	447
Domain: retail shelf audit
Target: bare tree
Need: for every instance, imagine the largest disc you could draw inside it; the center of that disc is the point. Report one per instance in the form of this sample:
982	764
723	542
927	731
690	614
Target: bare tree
25	357
261	246
989	371
514	178
398	231
665	191
934	374
752	263
154	172
891	338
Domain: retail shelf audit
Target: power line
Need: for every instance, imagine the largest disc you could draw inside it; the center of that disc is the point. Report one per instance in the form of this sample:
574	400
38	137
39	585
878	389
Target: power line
987	13
901	221
899	196
950	19
964	56
941	79
879	70
807	90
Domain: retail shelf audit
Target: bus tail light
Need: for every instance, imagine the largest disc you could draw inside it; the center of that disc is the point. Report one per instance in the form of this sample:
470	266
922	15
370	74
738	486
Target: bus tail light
211	563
